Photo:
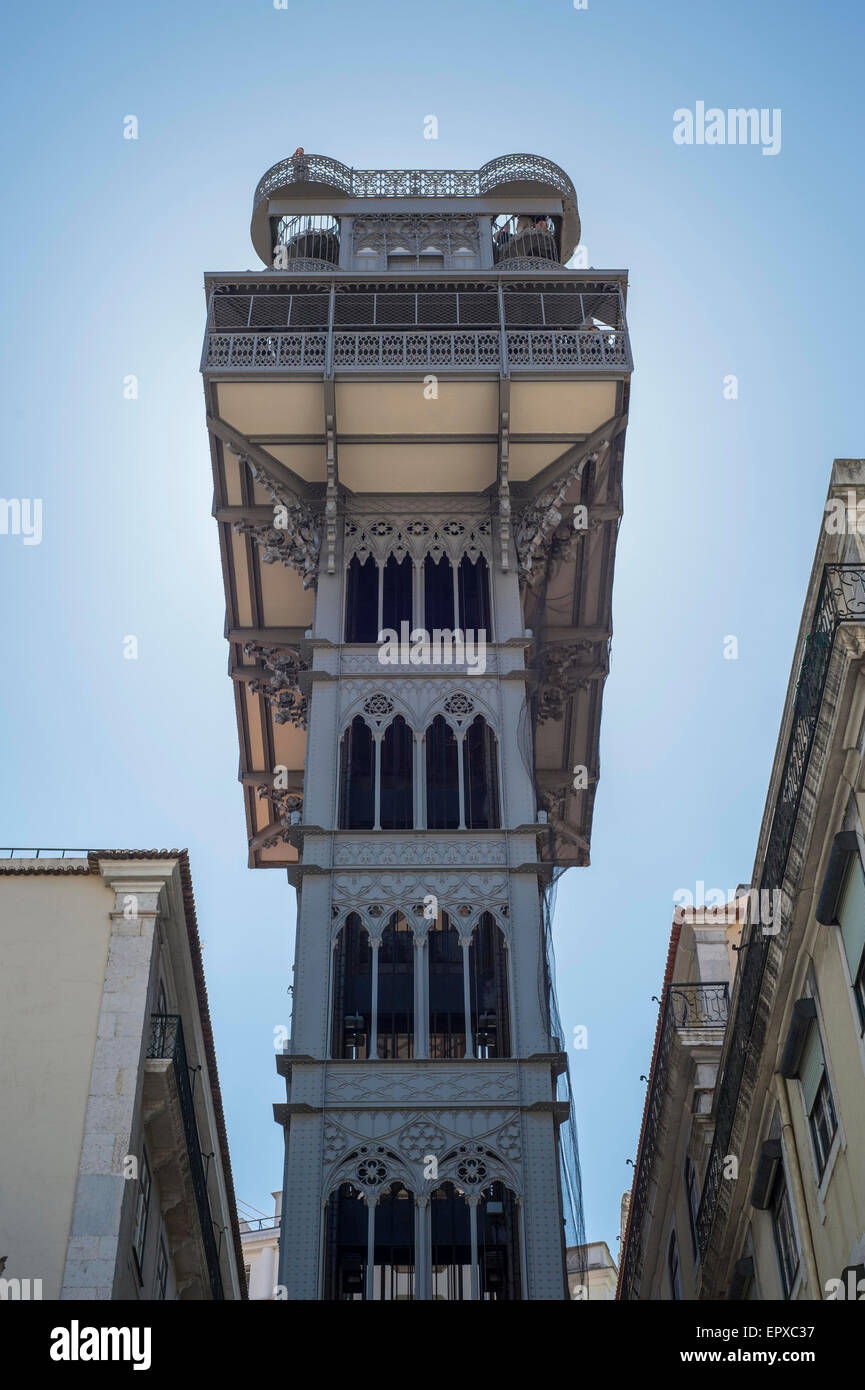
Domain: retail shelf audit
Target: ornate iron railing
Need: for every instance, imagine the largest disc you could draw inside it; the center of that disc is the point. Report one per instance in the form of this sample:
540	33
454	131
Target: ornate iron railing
166	1042
415	183
685	1006
841	599
378	350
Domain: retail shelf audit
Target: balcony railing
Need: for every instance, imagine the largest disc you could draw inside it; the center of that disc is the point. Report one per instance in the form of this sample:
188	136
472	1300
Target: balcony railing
321	329
521	240
415	183
686	1006
841	599
166	1042
310	351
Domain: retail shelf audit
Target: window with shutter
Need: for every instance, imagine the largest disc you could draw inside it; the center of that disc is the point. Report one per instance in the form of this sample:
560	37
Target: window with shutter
811	1066
851	915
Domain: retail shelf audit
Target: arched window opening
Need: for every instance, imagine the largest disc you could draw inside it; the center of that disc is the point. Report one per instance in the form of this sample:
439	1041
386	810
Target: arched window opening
346	1244
474	596
442	777
498	1245
451	1244
481	777
397	777
361	601
396	604
357	777
447	1017
395	1012
488	990
393	1274
352	992
439	594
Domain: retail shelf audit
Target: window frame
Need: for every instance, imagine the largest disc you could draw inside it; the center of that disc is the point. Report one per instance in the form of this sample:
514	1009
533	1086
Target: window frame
142	1210
784	1230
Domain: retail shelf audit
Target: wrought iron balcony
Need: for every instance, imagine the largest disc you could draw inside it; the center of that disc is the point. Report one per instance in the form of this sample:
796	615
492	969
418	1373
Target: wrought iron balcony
686	1006
166	1043
841	599
282	326
414	183
307	243
524	243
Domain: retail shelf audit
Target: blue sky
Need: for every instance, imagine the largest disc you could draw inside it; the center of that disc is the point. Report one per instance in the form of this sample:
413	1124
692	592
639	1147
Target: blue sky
739	263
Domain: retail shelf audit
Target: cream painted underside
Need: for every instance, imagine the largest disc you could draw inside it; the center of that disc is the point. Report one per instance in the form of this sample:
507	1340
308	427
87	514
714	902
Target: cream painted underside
272	407
417	467
308	461
561	407
401	407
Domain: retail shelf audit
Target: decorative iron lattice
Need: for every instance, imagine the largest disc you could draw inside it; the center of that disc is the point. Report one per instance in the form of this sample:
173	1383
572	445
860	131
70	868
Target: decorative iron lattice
284	351
166	1041
841	599
415	183
683	1005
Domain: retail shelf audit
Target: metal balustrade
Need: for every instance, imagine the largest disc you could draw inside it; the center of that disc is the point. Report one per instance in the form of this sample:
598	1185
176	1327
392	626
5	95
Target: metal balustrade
415	183
282	351
686	1006
166	1042
368	327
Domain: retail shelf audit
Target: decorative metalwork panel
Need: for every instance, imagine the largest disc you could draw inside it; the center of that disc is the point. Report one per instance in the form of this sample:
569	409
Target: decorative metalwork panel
415	232
414	183
379	350
841	599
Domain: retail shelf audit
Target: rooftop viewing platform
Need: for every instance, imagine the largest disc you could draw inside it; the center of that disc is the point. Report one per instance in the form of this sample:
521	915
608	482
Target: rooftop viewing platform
531	201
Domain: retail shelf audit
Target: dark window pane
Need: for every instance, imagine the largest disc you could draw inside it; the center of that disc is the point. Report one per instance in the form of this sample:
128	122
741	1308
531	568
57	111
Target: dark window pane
442	789
438	594
397	783
361	601
396	990
447	1033
488	990
474	592
396	596
481	777
357	777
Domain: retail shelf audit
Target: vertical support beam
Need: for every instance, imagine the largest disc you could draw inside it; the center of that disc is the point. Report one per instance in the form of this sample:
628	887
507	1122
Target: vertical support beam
421	1029
369	1288
462	789
521	1237
465	943
473	1200
422	1269
418	595
455	576
372	1048
377	738
418	747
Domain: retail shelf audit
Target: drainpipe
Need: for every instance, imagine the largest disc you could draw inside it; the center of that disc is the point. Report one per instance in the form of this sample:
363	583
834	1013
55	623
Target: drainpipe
798	1189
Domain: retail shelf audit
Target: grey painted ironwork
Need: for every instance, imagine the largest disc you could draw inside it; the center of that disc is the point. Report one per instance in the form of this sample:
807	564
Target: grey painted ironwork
280	351
841	599
414	183
166	1041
